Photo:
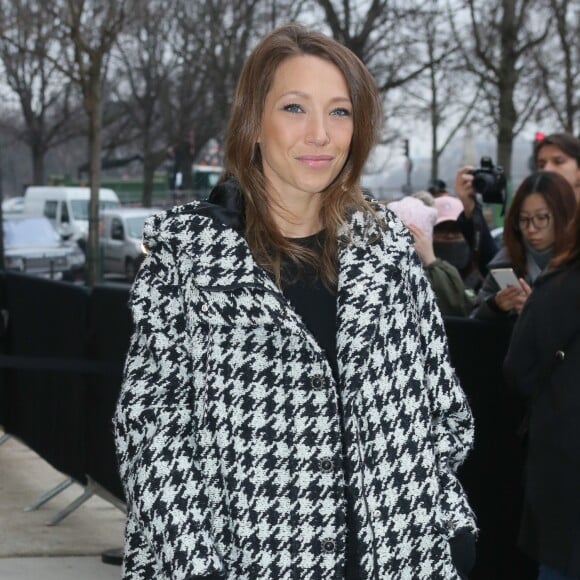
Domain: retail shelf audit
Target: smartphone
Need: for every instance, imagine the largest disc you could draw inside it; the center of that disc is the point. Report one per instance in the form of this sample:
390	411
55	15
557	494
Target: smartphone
505	277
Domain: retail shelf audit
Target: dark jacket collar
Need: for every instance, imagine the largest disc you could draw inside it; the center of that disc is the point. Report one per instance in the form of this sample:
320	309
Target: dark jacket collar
225	205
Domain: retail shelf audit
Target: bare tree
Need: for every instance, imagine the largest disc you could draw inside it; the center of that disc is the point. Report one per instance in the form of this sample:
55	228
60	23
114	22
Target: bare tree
179	65
381	34
88	32
497	46
558	61
146	62
440	93
212	43
46	97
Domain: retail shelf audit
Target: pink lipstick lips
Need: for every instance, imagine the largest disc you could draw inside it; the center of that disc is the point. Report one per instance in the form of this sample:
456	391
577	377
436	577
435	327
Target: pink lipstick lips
315	160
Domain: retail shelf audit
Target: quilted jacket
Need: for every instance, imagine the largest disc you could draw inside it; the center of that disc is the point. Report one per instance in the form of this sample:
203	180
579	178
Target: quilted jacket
228	429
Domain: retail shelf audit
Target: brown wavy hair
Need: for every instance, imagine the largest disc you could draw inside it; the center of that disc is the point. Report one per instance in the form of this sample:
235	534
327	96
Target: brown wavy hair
571	252
560	199
243	161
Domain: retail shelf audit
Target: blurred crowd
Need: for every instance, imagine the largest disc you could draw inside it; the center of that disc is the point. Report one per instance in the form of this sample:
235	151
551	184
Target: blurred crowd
532	282
458	251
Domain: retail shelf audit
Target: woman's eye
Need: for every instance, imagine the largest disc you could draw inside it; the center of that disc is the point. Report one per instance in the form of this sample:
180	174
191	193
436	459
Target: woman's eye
293	108
341	112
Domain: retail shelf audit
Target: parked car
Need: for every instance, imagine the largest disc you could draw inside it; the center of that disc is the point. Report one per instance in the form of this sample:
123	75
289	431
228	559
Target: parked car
32	245
67	208
121	231
13	204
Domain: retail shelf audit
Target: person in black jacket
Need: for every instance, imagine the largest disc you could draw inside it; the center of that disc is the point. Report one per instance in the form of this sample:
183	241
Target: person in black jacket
543	362
472	222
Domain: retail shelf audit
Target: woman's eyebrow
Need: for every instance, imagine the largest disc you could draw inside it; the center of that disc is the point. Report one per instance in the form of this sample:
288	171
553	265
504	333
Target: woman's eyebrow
293	93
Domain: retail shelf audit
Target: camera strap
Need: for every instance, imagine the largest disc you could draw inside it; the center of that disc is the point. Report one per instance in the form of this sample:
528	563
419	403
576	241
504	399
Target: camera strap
474	279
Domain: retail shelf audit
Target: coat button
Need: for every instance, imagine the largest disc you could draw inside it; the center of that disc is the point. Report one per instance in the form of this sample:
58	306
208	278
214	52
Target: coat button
204	307
326	465
377	514
560	355
328	546
317	382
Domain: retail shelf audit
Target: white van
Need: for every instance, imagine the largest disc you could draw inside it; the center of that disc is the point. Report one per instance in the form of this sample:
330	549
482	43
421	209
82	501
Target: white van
121	232
67	208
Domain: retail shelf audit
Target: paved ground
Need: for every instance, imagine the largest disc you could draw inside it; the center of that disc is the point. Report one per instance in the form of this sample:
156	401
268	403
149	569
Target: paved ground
31	550
71	568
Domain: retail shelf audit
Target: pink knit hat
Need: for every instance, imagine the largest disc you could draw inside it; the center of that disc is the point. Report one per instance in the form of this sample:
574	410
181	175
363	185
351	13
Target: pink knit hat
448	208
413	211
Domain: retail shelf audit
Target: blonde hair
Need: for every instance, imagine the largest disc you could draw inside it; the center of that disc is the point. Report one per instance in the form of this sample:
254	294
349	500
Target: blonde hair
243	159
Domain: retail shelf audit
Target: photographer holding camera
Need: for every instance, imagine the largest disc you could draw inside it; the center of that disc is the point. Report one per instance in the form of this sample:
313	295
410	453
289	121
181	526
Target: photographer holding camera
471	221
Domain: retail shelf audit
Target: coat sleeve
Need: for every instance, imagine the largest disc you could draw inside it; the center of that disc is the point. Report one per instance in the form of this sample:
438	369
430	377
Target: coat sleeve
487	246
485	306
451	419
449	289
486	309
168	532
524	359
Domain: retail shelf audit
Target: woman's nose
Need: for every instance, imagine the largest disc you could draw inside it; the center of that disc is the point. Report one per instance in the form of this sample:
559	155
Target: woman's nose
317	131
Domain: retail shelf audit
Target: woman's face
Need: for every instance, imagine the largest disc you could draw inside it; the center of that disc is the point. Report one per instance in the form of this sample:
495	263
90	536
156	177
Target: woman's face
536	222
551	158
306	127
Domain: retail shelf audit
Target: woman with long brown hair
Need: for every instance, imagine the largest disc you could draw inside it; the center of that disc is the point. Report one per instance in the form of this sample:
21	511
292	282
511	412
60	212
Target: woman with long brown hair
288	408
534	232
543	362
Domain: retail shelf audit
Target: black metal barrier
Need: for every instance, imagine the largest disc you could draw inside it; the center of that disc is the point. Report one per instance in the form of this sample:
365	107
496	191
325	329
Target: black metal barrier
3	346
61	373
61	370
44	408
109	330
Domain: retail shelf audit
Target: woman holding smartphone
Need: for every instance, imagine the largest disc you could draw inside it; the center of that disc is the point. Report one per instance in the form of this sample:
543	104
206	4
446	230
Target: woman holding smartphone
543	363
535	227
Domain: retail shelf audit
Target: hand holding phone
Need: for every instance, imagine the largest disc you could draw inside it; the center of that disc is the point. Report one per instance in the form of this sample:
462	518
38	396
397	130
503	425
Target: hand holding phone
505	277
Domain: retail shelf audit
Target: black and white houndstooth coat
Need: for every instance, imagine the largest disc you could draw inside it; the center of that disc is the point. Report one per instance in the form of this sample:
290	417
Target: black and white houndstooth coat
227	426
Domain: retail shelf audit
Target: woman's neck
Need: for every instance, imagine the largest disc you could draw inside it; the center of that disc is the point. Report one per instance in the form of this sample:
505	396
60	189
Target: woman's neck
298	219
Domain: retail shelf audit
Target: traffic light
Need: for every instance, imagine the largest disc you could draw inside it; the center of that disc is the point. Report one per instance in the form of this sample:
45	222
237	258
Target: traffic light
406	147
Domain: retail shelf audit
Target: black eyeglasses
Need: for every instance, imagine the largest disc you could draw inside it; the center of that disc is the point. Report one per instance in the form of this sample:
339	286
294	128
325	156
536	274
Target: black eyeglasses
540	221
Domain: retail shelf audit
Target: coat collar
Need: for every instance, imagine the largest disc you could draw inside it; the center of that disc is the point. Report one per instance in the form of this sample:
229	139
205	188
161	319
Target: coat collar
218	254
214	252
223	258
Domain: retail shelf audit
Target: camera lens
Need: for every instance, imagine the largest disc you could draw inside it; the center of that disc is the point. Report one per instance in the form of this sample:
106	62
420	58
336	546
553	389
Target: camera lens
483	181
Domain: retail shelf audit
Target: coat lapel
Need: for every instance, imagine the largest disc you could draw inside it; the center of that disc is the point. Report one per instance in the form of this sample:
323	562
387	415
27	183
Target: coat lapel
223	263
368	270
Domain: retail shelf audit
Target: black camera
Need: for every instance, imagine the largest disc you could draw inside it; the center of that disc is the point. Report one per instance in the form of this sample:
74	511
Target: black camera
489	180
